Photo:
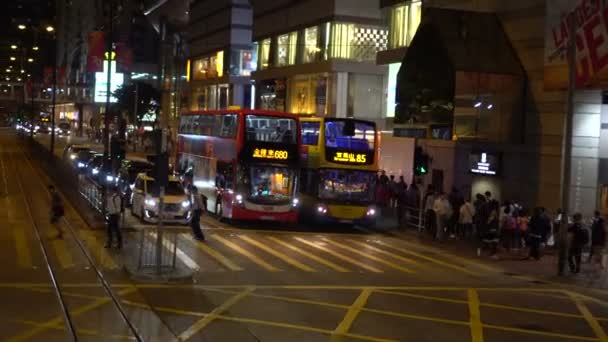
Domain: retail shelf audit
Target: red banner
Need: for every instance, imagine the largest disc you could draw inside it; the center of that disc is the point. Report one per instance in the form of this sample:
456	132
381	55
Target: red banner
48	77
97	49
124	55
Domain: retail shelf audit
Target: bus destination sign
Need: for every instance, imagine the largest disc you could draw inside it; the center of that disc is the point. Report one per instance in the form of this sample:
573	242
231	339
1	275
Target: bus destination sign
267	153
350	158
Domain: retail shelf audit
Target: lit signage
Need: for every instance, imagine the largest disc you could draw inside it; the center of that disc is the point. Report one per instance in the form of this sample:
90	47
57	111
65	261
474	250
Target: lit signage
347	157
484	163
101	82
266	153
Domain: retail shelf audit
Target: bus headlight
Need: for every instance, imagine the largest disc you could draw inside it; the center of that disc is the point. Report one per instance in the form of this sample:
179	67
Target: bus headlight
185	204
72	156
371	211
321	209
295	202
81	165
109	178
239	198
95	171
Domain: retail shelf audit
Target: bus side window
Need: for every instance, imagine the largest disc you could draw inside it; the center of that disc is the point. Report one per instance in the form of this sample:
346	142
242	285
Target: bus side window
229	124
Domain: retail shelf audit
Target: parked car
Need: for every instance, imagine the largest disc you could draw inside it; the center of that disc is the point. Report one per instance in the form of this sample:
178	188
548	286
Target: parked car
70	152
127	174
93	167
145	201
82	159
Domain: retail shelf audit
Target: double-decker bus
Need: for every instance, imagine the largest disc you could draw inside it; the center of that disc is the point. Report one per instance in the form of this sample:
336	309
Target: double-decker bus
245	162
339	170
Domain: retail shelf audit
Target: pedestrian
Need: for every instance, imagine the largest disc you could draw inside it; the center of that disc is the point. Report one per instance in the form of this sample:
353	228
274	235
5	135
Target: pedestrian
113	209
196	205
443	213
492	226
383	177
429	214
507	228
598	239
402	205
538	229
521	232
456	202
393	192
465	219
577	239
57	210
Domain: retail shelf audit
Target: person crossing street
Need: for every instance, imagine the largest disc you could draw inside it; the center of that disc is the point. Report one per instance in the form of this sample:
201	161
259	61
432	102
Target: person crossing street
57	210
196	203
113	207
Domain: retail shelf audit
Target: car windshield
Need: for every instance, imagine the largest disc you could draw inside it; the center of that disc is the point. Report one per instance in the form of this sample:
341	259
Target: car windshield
64	125
271	129
346	185
271	184
173	188
85	155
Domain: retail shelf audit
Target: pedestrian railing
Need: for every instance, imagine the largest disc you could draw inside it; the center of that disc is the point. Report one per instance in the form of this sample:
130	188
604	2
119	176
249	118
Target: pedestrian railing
157	250
413	218
92	192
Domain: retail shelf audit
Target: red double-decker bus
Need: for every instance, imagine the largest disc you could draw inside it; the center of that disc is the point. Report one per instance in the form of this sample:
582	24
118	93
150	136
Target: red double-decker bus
245	162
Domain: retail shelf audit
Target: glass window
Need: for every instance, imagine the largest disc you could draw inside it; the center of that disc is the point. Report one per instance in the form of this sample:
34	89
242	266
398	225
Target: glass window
242	62
271	184
310	133
346	185
173	188
264	53
404	20
229	125
271	129
357	42
282	50
201	69
361	139
311	44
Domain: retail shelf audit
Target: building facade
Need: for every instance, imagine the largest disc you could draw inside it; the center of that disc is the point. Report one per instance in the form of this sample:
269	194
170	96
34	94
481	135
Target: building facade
318	57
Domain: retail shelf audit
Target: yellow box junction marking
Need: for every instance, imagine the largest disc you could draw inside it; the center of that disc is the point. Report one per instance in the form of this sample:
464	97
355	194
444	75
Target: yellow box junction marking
311	256
352	314
591	320
339	256
475	316
381	251
277	254
246	253
63	255
369	256
24	253
202	323
214	254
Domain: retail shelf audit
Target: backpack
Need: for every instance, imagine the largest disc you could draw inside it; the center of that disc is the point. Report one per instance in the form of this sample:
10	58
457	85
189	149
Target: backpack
581	237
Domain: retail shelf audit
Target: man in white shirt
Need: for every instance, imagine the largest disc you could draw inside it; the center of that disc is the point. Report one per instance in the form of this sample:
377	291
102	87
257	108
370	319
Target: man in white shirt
443	211
465	221
113	210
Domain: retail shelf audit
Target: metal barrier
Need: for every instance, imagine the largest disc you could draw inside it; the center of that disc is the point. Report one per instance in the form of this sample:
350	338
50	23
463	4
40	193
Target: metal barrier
92	192
413	218
157	250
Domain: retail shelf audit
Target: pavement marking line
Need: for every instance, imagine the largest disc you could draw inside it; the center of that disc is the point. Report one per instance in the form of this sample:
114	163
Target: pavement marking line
339	255
24	253
433	298
80	331
536	311
593	323
417	317
475	316
311	256
178	252
100	253
277	254
214	254
63	255
58	320
351	314
202	323
381	251
428	258
540	333
246	253
369	256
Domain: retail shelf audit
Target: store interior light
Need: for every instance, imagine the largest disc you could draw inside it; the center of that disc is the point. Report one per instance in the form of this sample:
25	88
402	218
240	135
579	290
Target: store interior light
477	104
30	60
35	48
14	47
13	58
21	27
490	106
50	28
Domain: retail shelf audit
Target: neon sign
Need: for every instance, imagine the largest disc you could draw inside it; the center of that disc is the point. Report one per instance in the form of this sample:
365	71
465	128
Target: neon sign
266	153
346	157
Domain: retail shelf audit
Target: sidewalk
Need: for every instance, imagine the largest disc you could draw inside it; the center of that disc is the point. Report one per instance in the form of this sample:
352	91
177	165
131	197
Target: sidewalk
509	264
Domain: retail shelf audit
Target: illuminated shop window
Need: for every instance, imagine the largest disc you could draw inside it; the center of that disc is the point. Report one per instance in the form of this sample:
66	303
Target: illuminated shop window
286	49
357	42
404	20
264	53
311	44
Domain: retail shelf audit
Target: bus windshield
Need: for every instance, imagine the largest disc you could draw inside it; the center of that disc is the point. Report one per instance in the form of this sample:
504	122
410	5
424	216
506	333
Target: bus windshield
363	138
271	129
271	184
346	185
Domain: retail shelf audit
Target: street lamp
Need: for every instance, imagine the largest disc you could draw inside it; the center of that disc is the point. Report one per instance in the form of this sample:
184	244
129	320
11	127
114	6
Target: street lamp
14	47
13	58
31	60
35	48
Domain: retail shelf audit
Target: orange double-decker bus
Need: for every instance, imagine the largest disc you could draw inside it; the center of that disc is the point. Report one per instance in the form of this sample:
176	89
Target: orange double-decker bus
245	162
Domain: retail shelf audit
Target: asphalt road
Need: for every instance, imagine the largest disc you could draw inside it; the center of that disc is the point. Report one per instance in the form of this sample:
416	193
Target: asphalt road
263	282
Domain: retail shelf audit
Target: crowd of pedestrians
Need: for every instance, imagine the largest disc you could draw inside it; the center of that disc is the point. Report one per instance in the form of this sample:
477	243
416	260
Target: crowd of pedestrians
498	229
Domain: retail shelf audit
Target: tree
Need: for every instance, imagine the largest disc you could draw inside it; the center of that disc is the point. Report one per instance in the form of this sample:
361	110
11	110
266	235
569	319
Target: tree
148	98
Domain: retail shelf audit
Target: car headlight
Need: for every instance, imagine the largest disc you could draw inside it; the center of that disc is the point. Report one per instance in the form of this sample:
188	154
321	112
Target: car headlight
81	164
109	178
68	132
371	211
322	209
150	202
185	204
239	198
95	171
72	156
131	186
36	128
295	202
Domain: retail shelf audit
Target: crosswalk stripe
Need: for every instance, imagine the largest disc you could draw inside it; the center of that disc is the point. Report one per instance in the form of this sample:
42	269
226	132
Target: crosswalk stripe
277	254
61	251
369	256
246	253
339	255
424	257
24	253
381	251
309	255
100	254
169	246
214	254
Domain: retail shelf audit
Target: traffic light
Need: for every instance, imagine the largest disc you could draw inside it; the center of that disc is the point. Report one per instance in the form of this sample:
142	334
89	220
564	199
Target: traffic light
421	162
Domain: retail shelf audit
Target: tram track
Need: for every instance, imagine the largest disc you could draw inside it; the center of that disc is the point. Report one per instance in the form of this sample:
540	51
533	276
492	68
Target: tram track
29	198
